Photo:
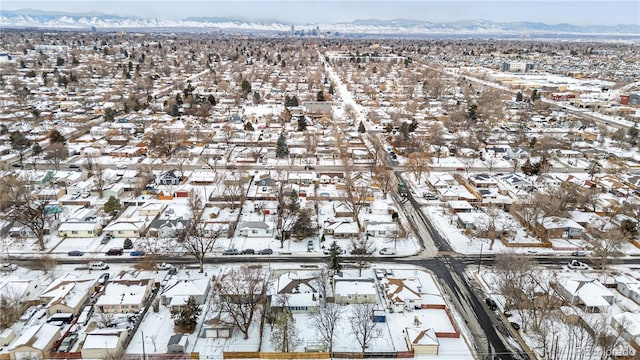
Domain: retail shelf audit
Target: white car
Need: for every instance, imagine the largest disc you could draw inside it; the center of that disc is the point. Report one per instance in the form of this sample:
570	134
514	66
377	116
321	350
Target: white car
578	265
164	266
121	166
387	251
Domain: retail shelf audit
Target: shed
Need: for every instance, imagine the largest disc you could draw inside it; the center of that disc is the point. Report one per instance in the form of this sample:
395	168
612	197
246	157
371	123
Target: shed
7	336
379	316
177	344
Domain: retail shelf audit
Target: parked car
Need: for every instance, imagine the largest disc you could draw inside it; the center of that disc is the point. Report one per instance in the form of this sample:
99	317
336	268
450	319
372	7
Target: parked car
137	253
579	253
103	278
491	303
361	251
309	167
267	251
75	253
231	251
98	265
68	342
74	166
165	266
105	239
387	251
7	267
248	252
114	251
515	325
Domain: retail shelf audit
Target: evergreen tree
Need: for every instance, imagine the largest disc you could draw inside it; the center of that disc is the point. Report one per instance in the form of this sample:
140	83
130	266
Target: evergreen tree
534	95
333	262
248	126
212	100
113	204
302	123
303	228
36	149
282	150
361	128
56	137
519	96
186	317
320	96
290	101
331	89
246	87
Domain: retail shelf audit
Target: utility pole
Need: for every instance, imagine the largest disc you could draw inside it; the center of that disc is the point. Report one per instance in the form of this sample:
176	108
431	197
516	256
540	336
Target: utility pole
480	258
144	354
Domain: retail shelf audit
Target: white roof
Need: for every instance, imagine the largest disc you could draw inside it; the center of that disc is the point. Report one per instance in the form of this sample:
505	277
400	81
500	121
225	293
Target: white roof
117	293
102	339
354	287
42	335
185	287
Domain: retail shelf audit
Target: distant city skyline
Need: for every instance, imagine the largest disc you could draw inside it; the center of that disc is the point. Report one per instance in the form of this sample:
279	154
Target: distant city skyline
603	12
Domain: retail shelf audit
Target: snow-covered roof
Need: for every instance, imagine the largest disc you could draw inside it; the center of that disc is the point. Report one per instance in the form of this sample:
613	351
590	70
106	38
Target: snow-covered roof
37	337
102	339
185	287
419	336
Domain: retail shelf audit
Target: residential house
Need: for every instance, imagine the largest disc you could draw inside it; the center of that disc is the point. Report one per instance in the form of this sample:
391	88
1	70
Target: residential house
177	291
401	294
67	294
341	229
588	294
167	228
169	178
125	229
460	206
124	296
6	337
80	229
555	227
421	341
389	229
35	342
104	343
255	229
354	290
295	291
629	287
627	324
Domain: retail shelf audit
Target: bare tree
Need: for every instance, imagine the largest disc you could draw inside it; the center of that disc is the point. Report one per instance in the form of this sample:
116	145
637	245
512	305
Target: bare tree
98	178
25	208
325	320
198	241
363	249
364	328
607	243
55	153
384	179
10	306
234	192
240	293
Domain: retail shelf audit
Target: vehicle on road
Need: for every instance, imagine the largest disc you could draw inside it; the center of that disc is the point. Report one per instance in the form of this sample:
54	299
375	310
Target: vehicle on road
137	253
515	325
75	253
361	251
165	266
577	265
114	251
387	251
579	253
121	166
248	252
309	167
98	265
267	251
74	166
231	251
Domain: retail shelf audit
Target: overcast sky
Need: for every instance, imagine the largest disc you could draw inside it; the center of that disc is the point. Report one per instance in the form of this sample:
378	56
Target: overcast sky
584	12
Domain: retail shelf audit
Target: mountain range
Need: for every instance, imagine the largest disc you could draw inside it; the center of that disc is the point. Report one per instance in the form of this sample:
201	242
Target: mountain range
46	19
